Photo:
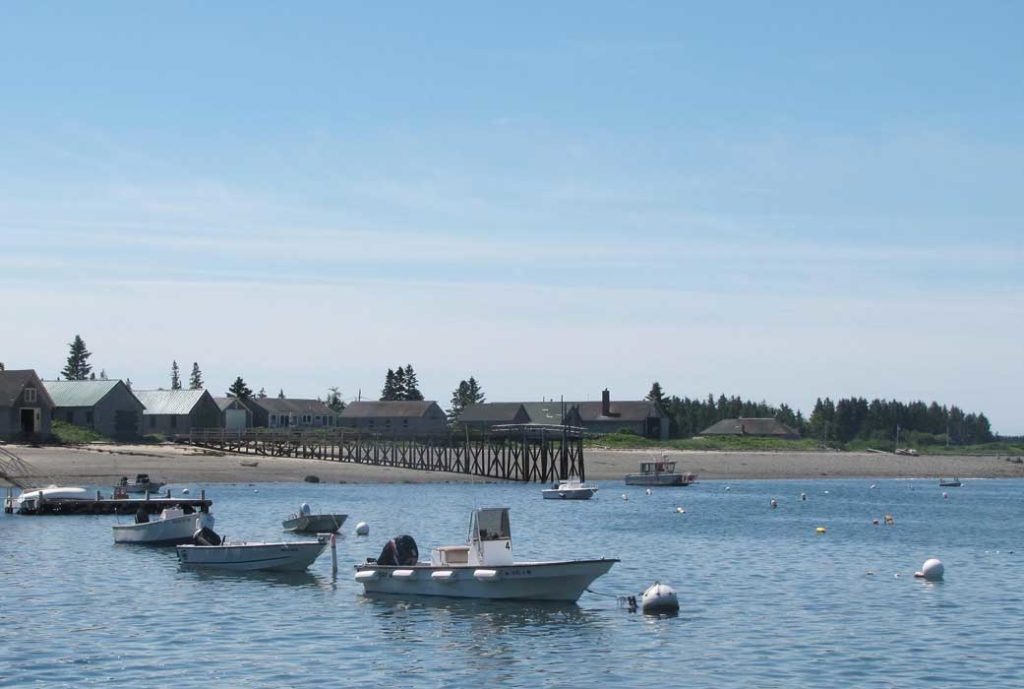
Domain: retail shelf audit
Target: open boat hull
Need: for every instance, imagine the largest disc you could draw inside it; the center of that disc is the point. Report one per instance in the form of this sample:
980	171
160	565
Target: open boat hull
563	580
659	479
568	493
314	523
172	531
250	557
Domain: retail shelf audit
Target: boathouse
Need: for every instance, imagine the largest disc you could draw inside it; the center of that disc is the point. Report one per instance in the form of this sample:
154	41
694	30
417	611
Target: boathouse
169	412
396	418
284	412
234	414
108	407
25	406
481	417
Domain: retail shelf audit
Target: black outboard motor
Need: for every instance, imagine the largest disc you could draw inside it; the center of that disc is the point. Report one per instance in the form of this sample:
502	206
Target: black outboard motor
141	517
206	536
400	551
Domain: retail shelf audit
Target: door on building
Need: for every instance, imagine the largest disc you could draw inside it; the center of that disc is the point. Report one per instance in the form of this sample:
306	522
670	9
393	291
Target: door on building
126	422
28	421
234	419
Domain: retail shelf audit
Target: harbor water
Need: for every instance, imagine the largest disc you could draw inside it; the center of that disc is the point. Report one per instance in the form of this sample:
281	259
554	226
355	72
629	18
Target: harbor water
812	593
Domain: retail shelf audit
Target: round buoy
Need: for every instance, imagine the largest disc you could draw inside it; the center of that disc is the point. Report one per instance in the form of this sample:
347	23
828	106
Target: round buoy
820	529
184	491
875	522
773	503
659	599
648	491
945	495
625	497
680	510
362	529
727	488
873	486
931	570
803	496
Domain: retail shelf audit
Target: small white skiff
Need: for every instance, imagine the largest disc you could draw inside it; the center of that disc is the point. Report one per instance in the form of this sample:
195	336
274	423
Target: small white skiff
29	499
483	568
293	556
570	489
173	527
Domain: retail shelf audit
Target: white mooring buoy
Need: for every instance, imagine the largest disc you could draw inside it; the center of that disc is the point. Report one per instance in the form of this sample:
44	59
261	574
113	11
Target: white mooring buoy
659	599
184	491
362	529
931	570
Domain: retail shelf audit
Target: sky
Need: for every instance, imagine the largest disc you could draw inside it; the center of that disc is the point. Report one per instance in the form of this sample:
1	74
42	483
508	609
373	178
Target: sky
781	201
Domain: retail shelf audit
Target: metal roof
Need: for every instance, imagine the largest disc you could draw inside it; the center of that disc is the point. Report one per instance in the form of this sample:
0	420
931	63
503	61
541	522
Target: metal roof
277	405
79	393
178	402
226	403
497	412
763	426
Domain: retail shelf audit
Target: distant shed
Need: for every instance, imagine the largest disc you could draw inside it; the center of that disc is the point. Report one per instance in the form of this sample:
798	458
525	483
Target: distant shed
170	412
25	405
106	406
761	427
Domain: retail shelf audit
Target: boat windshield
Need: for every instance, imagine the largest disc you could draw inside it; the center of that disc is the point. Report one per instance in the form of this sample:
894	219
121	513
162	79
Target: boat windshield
493	524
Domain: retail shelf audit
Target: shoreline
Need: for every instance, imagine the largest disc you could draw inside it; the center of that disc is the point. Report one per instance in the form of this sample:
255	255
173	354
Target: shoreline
102	464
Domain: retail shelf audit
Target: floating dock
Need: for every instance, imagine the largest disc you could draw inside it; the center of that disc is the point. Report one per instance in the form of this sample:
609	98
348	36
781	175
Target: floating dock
100	505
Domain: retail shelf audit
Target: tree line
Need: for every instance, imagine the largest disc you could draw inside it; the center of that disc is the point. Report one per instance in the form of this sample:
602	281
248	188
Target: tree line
841	421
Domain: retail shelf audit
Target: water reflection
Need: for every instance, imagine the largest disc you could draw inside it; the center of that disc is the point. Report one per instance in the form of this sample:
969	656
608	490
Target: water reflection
264	578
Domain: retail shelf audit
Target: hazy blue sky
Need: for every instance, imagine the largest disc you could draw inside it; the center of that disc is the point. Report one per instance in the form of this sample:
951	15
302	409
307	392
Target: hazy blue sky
777	200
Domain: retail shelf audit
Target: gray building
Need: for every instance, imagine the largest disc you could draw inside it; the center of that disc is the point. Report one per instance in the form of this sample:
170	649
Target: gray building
106	406
171	412
481	417
400	418
278	412
25	406
234	414
762	427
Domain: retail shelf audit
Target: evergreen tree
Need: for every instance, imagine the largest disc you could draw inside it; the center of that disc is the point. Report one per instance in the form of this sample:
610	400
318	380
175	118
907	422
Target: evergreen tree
389	393
657	397
175	376
400	389
262	394
195	381
412	386
240	390
280	394
334	401
128	383
103	374
468	392
78	367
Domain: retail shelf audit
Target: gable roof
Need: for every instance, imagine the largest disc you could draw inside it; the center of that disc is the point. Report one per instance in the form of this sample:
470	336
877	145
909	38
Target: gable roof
178	402
619	411
497	412
376	410
750	426
13	382
547	412
276	405
225	403
79	393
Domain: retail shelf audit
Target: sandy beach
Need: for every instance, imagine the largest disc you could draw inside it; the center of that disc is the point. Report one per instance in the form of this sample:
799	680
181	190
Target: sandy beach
105	464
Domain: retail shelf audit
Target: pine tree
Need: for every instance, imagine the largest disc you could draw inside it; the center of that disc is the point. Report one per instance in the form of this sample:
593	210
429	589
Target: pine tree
103	374
240	390
387	394
334	402
657	397
468	392
400	384
412	386
175	376
195	381
78	367
280	394
262	394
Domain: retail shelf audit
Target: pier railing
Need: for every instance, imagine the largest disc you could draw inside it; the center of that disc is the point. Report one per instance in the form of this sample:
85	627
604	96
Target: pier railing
519	452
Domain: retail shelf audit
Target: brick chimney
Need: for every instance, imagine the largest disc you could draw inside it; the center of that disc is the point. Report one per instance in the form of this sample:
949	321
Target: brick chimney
606	403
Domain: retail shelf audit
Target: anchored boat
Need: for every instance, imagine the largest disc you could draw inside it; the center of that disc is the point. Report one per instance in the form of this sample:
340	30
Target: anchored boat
174	526
659	473
307	522
141	484
482	568
570	489
210	551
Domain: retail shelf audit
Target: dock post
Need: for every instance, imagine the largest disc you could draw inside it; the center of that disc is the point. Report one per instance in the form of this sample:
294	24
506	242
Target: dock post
334	554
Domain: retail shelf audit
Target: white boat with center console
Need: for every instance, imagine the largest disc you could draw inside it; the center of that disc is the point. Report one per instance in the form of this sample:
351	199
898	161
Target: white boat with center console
307	522
141	484
482	568
209	550
569	489
174	526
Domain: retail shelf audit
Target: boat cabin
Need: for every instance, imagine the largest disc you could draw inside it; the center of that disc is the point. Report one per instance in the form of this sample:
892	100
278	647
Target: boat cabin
660	467
489	541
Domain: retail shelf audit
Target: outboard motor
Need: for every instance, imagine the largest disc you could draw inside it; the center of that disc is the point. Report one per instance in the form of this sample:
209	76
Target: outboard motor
400	551
206	536
141	517
305	509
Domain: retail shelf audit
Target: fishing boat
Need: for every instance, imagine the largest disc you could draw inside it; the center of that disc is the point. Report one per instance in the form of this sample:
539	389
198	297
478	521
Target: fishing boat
29	500
307	522
950	482
659	473
141	484
209	551
174	526
482	568
570	489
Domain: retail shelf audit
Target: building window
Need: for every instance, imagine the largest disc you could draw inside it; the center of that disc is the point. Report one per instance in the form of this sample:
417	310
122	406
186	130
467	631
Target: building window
307	419
30	395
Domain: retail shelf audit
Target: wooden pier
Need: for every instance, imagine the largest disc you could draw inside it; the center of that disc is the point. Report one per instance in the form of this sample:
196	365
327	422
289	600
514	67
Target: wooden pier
522	452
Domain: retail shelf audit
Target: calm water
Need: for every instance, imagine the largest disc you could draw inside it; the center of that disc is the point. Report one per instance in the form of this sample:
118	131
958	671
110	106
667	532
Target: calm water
765	601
